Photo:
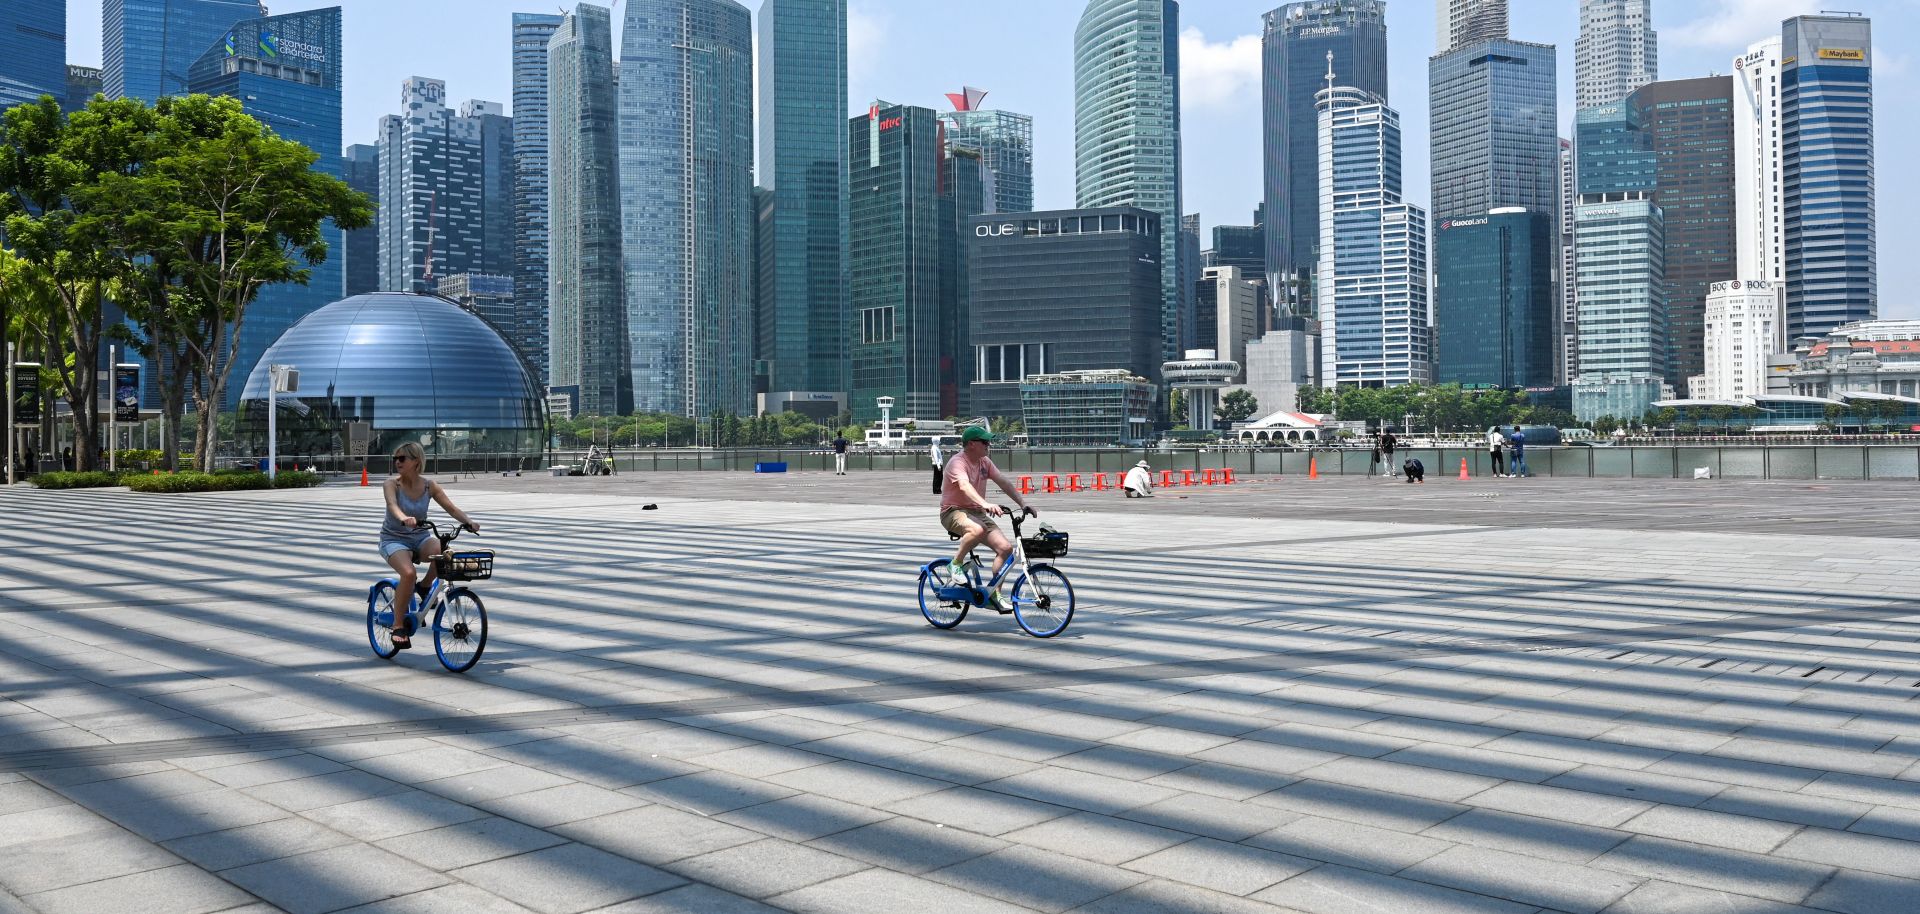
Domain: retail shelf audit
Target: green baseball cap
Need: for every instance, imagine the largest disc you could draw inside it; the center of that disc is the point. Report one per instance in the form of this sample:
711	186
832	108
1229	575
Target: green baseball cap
977	433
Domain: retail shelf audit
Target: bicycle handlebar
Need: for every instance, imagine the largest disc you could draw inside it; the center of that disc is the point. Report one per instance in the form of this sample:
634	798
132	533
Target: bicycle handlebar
445	538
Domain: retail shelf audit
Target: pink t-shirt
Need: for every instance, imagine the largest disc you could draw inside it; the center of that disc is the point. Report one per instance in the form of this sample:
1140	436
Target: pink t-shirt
975	472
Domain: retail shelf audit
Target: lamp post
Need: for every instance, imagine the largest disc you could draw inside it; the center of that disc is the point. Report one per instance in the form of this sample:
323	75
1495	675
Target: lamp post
281	379
886	418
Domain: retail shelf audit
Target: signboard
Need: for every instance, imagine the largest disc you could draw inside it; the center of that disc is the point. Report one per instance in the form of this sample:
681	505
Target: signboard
1462	223
26	393
126	393
359	437
1842	54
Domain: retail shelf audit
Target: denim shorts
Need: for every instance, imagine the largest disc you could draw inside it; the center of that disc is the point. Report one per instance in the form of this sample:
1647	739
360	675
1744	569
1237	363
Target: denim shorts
390	544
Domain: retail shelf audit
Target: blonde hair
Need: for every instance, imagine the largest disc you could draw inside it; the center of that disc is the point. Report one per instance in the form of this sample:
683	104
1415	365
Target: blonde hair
414	450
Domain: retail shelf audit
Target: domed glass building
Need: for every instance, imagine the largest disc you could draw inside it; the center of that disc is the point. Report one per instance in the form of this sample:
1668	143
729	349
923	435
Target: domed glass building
416	367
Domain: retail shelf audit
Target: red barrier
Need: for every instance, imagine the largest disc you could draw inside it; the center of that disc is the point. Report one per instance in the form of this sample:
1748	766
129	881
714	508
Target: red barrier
1099	482
1166	479
1186	477
1052	481
1208	477
1227	473
1026	485
1073	483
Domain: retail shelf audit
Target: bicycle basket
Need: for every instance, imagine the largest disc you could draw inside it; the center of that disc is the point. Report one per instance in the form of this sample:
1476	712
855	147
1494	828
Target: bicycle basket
1050	545
476	565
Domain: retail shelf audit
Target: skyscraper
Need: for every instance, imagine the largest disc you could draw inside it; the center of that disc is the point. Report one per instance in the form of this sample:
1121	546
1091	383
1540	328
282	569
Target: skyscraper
1005	142
531	32
802	324
1374	324
285	70
687	204
1126	81
1616	53
1621	270
1294	47
1689	126
1495	124
1826	136
1465	22
33	51
1759	220
1226	314
1496	320
1569	364
435	194
361	257
496	184
587	332
147	46
83	83
910	197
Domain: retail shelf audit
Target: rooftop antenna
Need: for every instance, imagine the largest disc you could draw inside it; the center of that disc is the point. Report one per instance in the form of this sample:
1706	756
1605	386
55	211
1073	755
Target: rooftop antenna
1329	69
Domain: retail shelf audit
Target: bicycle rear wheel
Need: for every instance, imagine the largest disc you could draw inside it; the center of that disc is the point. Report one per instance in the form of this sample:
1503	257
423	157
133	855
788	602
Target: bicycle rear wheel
1043	601
380	620
460	630
940	613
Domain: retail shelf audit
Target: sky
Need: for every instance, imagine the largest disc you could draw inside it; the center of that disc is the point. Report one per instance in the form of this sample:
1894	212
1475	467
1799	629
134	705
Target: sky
1021	51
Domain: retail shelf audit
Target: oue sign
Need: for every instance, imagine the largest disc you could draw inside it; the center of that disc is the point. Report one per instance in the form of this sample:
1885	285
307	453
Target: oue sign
995	231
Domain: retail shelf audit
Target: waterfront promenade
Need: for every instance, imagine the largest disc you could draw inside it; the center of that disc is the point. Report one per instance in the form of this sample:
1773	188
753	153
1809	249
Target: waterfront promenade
1327	696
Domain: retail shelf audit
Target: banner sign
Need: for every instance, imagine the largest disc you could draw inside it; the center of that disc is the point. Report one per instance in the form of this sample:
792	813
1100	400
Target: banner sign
26	394
126	393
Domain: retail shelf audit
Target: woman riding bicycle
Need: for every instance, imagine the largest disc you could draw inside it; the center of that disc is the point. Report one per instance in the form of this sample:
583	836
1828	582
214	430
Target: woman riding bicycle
403	541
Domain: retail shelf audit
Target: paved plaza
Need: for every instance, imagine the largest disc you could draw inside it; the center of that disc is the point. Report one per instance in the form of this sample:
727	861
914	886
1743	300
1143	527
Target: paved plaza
1327	696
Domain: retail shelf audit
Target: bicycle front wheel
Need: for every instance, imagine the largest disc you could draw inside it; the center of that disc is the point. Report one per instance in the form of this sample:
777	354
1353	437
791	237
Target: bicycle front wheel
460	630
940	613
380	620
1043	601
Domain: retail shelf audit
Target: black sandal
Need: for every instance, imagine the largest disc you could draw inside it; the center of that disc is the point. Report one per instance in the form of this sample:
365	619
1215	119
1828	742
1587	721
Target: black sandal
402	640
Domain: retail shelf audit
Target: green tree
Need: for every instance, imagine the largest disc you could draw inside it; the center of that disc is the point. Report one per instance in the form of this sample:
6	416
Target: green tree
1177	408
1319	401
1237	406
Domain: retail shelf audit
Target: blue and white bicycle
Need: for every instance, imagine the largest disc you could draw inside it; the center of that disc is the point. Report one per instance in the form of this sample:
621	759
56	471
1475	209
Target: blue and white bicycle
1042	598
459	618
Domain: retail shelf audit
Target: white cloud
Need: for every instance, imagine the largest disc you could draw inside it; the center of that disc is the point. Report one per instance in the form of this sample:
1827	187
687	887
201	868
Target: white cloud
1735	24
1219	75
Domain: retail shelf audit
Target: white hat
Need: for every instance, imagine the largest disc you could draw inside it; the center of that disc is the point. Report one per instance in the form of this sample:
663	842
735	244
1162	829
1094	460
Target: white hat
1143	465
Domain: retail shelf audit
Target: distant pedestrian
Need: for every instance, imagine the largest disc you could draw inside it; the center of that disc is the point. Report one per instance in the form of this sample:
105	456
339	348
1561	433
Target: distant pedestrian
66	458
1496	443
1416	471
1376	464
1139	481
1387	444
840	455
939	464
1517	442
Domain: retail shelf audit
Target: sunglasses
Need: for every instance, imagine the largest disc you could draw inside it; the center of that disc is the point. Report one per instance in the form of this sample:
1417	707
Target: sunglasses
400	457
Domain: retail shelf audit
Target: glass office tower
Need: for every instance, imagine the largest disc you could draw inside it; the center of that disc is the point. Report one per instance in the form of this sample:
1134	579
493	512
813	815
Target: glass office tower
1294	48
1495	317
33	51
361	257
285	70
1620	269
441	189
587	332
1689	127
801	327
1126	81
1826	135
148	46
531	32
1494	127
1616	53
1375	329
687	204
909	200
1005	142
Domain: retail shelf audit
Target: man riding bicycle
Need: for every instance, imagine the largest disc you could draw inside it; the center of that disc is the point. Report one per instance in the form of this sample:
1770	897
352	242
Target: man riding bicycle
965	511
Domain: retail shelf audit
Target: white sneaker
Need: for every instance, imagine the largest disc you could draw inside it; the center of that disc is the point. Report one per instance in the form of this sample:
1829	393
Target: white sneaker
1001	603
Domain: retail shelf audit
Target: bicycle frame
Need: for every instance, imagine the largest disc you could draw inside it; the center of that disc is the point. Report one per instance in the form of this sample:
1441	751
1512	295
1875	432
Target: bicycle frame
978	590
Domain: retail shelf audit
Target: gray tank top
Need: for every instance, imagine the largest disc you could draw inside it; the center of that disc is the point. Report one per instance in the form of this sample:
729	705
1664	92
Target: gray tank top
415	508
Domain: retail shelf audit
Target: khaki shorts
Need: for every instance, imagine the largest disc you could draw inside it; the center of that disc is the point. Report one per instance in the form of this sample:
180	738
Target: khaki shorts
951	518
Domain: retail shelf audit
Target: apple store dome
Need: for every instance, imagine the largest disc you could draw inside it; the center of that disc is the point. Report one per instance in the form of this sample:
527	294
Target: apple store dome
414	367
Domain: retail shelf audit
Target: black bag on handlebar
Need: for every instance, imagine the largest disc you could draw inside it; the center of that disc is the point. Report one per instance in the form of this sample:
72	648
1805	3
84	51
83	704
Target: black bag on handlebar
1047	544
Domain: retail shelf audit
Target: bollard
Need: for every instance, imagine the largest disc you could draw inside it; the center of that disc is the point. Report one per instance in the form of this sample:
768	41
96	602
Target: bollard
1073	483
1026	485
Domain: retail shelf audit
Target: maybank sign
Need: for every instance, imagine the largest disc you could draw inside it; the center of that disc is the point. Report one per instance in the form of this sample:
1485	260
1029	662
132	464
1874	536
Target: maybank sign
1843	54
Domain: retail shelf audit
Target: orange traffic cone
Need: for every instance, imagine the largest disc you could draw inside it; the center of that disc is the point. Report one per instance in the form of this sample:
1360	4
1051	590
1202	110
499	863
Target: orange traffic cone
363	475
1313	468
1463	468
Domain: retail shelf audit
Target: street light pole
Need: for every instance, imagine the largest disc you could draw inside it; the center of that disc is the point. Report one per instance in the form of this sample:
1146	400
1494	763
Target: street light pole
11	434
